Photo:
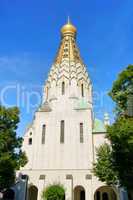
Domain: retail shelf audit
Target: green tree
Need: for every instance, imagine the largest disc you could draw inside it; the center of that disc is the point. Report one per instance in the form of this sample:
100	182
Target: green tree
121	88
103	168
114	163
54	192
121	136
11	156
118	158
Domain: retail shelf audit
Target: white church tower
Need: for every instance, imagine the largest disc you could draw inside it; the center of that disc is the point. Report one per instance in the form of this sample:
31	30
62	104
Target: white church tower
60	142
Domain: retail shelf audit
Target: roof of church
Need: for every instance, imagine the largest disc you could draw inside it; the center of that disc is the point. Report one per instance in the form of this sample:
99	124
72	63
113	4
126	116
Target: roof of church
99	126
68	64
68	48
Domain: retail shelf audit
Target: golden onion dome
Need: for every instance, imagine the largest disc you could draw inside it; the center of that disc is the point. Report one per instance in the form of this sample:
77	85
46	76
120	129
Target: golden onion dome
68	29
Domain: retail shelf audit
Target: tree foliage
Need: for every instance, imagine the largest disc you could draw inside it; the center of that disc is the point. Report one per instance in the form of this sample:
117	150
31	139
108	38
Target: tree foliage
11	156
121	88
103	168
118	159
54	192
114	163
121	136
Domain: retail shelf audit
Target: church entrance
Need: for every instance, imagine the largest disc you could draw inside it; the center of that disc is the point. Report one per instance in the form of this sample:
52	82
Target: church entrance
79	193
32	193
105	193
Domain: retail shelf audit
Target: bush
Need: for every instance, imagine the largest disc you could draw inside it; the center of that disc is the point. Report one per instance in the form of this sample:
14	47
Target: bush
54	192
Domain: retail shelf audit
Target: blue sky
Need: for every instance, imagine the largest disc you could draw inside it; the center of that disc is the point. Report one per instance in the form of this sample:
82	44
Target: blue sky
30	36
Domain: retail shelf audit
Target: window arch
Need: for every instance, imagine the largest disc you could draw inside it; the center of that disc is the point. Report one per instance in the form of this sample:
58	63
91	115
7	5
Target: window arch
63	88
32	192
79	193
105	193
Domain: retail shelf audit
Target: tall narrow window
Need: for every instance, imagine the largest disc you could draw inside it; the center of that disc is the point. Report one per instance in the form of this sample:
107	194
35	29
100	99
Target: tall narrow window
82	90
30	141
43	133
62	127
63	88
81	133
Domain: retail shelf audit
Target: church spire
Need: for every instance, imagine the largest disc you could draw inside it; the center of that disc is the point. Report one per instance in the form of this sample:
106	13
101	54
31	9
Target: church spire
68	65
68	48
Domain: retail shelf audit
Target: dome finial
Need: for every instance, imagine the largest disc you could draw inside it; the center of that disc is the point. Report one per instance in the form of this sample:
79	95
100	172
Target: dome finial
68	20
68	28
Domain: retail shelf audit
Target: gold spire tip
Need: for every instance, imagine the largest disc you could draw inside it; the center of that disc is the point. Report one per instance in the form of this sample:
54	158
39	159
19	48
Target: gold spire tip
68	28
68	20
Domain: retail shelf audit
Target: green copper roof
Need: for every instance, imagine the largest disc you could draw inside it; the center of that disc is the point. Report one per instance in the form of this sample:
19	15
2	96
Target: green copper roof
99	126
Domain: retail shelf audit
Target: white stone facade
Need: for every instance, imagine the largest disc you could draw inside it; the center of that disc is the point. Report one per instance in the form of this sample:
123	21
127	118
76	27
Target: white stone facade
67	97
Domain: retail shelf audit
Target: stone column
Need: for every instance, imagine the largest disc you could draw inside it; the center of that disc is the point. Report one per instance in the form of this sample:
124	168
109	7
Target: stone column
41	186
69	187
88	188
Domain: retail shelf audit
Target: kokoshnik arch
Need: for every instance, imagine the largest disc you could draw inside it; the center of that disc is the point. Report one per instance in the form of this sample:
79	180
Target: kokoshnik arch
60	142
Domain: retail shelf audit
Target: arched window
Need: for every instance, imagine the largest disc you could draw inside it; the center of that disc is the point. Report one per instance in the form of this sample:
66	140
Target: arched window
79	193
43	133
32	193
30	141
63	88
62	131
81	133
82	90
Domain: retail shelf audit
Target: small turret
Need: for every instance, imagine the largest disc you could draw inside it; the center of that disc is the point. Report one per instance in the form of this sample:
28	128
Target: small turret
106	119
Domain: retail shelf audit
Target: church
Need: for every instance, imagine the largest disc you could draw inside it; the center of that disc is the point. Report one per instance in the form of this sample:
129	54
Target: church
61	141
